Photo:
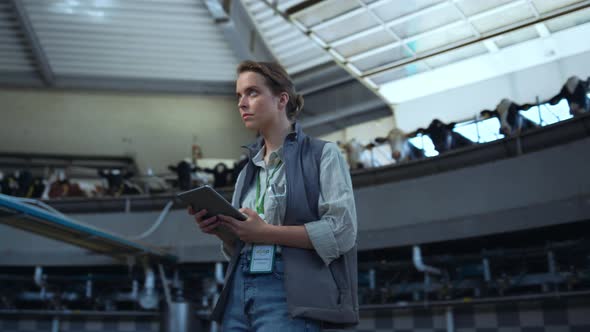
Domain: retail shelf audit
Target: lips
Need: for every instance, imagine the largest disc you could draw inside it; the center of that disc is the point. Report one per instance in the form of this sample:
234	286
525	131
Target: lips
246	116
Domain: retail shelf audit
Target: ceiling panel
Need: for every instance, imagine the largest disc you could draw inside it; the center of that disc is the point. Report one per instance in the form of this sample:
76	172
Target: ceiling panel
544	6
365	43
160	39
569	21
516	37
291	47
382	58
508	15
347	26
429	20
15	54
441	38
326	10
472	7
457	55
390	10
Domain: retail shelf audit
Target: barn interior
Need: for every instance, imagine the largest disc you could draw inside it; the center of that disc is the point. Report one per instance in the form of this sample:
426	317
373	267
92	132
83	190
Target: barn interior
465	125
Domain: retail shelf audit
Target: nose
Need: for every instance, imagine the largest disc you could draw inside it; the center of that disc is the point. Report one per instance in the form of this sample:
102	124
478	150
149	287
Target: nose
242	102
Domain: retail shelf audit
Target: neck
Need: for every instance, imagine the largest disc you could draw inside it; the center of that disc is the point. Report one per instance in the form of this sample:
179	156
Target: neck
274	135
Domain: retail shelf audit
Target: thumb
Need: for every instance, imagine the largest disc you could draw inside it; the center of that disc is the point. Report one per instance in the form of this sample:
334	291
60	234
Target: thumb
248	212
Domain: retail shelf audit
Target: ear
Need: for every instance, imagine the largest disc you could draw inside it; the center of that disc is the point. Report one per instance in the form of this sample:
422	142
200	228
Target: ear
283	100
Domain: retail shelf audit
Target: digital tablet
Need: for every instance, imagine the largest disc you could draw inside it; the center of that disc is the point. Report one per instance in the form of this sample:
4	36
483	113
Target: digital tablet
207	198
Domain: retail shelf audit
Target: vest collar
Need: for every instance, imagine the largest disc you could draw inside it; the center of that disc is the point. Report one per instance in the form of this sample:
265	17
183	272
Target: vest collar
296	135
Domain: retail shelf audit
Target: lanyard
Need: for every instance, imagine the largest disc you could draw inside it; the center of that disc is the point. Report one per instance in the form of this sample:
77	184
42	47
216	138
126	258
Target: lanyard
260	202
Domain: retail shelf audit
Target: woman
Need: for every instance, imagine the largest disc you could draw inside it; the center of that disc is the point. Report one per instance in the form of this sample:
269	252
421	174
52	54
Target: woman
293	261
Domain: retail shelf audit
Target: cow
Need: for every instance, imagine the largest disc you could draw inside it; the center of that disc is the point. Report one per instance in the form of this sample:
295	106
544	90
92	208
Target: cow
443	137
59	186
353	151
8	184
221	174
575	92
401	149
512	123
184	170
118	182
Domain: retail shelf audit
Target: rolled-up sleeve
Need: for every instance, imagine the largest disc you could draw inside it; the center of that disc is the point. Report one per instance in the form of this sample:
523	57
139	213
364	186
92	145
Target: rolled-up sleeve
335	233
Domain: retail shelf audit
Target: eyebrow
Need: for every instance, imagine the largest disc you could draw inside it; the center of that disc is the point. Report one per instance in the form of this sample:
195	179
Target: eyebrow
248	88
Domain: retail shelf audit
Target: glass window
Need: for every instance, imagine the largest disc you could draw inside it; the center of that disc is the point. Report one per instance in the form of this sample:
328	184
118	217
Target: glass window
378	156
480	131
546	114
425	143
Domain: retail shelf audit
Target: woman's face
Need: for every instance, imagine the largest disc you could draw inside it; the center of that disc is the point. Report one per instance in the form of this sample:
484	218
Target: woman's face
258	107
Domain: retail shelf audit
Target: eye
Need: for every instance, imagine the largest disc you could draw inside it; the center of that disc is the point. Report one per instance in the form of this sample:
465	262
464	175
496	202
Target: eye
252	93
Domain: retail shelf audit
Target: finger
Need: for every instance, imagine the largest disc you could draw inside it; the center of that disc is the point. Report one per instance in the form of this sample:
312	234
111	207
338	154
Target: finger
208	222
199	215
190	210
229	221
230	226
211	227
248	212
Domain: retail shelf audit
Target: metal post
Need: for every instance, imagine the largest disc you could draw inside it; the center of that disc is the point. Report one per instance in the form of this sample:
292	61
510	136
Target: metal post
450	320
55	324
539	111
487	275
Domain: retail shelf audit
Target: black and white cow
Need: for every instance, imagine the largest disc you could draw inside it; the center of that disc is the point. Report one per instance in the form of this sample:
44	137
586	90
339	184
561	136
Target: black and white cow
8	184
222	175
118	182
184	170
443	137
28	185
353	151
512	123
401	148
575	92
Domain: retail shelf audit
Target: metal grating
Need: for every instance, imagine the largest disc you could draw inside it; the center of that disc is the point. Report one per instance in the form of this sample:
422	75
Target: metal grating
132	39
15	55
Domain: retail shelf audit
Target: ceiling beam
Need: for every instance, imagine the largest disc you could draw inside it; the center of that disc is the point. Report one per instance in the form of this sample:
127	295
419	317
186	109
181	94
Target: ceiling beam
33	41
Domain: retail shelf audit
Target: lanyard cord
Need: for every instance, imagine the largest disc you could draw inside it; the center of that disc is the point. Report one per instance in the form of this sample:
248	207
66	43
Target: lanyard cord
260	202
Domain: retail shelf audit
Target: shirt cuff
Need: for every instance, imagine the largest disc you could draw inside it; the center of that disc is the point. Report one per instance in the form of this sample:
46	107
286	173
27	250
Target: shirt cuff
323	240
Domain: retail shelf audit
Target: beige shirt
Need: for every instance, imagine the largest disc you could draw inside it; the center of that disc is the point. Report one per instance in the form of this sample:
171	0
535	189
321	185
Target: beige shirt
335	232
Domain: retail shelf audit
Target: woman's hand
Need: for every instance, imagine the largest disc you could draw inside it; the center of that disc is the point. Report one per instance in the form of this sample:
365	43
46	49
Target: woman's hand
252	230
209	225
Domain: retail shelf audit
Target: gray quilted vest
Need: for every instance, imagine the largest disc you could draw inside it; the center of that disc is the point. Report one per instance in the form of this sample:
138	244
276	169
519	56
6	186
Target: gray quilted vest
314	290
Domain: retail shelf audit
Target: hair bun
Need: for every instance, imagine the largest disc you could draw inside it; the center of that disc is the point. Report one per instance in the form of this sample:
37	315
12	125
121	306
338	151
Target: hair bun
299	102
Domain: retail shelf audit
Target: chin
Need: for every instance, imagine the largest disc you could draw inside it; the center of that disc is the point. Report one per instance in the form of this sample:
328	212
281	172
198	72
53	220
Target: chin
250	125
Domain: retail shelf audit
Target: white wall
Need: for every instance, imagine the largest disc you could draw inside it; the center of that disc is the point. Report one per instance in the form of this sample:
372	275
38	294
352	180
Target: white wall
156	129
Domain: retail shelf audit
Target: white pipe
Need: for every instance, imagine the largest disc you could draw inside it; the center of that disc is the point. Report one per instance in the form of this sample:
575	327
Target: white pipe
55	324
38	276
419	263
450	320
219	274
155	226
165	285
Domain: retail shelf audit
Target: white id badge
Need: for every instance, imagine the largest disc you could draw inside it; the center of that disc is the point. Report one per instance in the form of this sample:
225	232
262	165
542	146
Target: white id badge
262	260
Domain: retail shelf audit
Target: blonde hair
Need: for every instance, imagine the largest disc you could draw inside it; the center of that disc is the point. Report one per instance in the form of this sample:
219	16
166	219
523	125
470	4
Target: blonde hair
278	81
